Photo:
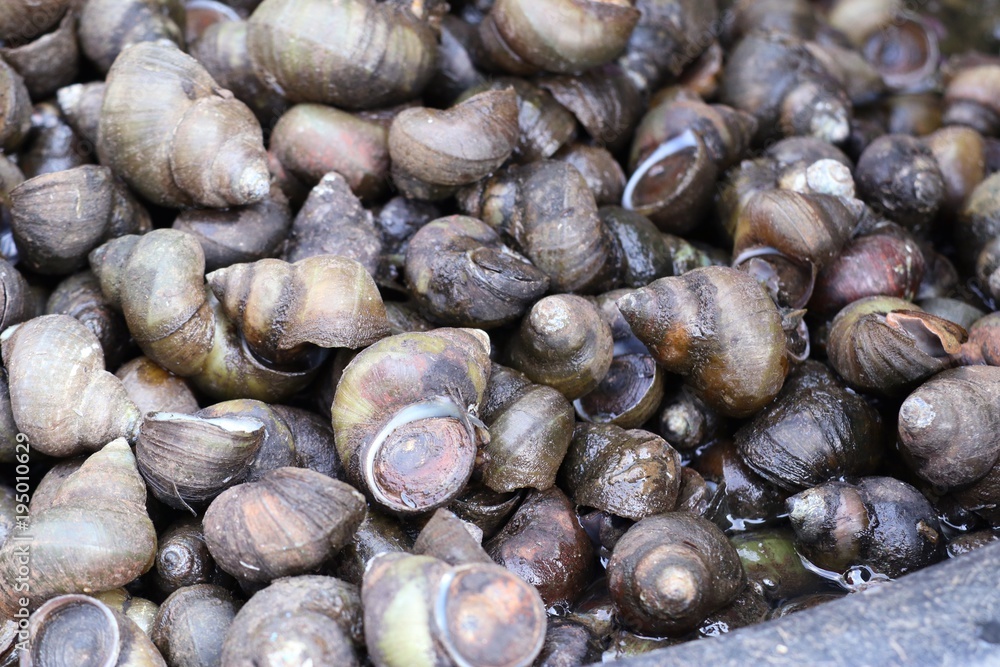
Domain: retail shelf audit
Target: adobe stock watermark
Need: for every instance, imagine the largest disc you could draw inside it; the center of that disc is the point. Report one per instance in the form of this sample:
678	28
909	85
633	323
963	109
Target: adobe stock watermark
21	538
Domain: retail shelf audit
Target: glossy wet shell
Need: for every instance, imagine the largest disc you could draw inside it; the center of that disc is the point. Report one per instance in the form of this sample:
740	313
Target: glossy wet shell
809	436
717	326
630	474
670	571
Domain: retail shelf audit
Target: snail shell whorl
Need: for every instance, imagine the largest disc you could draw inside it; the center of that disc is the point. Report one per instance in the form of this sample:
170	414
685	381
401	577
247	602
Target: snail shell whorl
717	326
159	141
60	394
326	300
93	535
404	416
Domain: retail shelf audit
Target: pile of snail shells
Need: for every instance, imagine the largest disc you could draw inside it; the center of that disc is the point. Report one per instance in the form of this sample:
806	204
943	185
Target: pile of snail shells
422	333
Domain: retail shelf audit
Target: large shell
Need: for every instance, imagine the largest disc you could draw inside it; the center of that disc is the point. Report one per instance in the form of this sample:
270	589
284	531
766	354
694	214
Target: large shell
93	534
630	474
549	213
403	416
418	610
62	398
812	433
563	342
530	430
185	141
807	228
188	460
530	33
179	323
191	625
26	19
454	147
880	522
544	544
322	51
669	571
287	523
58	218
316	619
326	300
111	638
789	91
309	139
888	345
948	427
717	326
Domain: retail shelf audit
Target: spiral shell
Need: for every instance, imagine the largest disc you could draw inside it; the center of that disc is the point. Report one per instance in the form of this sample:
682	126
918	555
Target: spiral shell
159	141
404	416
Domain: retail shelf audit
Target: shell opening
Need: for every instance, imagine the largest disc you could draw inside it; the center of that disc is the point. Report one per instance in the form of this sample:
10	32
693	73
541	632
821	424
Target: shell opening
489	611
676	149
458	470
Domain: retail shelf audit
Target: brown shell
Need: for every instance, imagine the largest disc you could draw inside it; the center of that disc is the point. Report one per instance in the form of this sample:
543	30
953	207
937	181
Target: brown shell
80	297
412	392
806	228
888	345
631	474
530	430
530	31
604	100
420	610
727	132
453	147
62	398
304	49
309	142
58	218
461	273
550	215
670	571
544	125
888	262
326	300
107	27
544	544
313	617
718	327
93	534
673	184
563	342
185	141
189	460
49	62
948	427
288	522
